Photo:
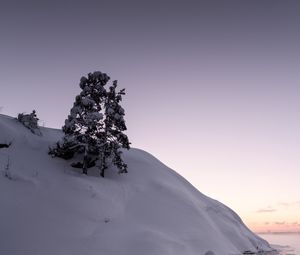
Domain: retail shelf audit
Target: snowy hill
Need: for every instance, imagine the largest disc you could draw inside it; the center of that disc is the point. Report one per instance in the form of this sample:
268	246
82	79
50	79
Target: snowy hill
49	208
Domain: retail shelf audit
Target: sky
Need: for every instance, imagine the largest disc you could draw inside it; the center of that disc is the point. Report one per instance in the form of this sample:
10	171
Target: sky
212	87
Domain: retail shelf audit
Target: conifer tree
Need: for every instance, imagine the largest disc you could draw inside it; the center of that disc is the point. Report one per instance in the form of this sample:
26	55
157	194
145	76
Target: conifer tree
94	128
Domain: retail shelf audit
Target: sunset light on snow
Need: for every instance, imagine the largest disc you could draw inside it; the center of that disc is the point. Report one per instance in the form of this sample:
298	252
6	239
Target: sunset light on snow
212	88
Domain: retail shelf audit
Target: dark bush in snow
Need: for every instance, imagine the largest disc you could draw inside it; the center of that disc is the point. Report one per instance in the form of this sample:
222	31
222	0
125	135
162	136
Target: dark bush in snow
30	121
5	145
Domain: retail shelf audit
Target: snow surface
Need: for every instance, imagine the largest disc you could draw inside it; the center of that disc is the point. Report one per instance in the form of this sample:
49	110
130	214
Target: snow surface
50	208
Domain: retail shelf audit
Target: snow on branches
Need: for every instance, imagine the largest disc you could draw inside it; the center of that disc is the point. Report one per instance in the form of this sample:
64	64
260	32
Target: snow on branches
95	125
30	121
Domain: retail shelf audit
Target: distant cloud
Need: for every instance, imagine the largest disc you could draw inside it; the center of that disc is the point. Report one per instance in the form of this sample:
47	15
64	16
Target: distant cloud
267	223
266	210
284	204
296	224
288	204
279	222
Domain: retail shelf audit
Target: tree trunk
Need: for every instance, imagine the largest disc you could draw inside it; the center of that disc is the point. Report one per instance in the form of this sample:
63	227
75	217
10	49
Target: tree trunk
84	167
103	166
85	162
102	172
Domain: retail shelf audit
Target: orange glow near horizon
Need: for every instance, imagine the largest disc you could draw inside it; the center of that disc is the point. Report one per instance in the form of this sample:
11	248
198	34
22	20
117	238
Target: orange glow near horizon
283	220
265	196
273	227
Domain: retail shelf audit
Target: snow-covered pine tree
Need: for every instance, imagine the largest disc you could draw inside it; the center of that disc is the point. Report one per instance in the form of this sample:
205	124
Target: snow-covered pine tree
95	126
114	125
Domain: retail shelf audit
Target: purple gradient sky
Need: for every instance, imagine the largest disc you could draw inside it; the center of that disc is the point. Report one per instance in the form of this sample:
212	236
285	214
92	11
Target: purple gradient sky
212	86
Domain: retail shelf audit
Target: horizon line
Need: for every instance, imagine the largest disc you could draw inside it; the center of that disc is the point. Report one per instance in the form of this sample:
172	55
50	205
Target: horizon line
278	232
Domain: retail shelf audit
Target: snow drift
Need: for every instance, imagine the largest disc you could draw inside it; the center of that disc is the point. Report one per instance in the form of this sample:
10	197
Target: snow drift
49	208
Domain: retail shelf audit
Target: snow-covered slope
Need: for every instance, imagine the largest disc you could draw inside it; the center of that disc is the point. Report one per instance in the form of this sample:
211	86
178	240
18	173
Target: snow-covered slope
49	208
